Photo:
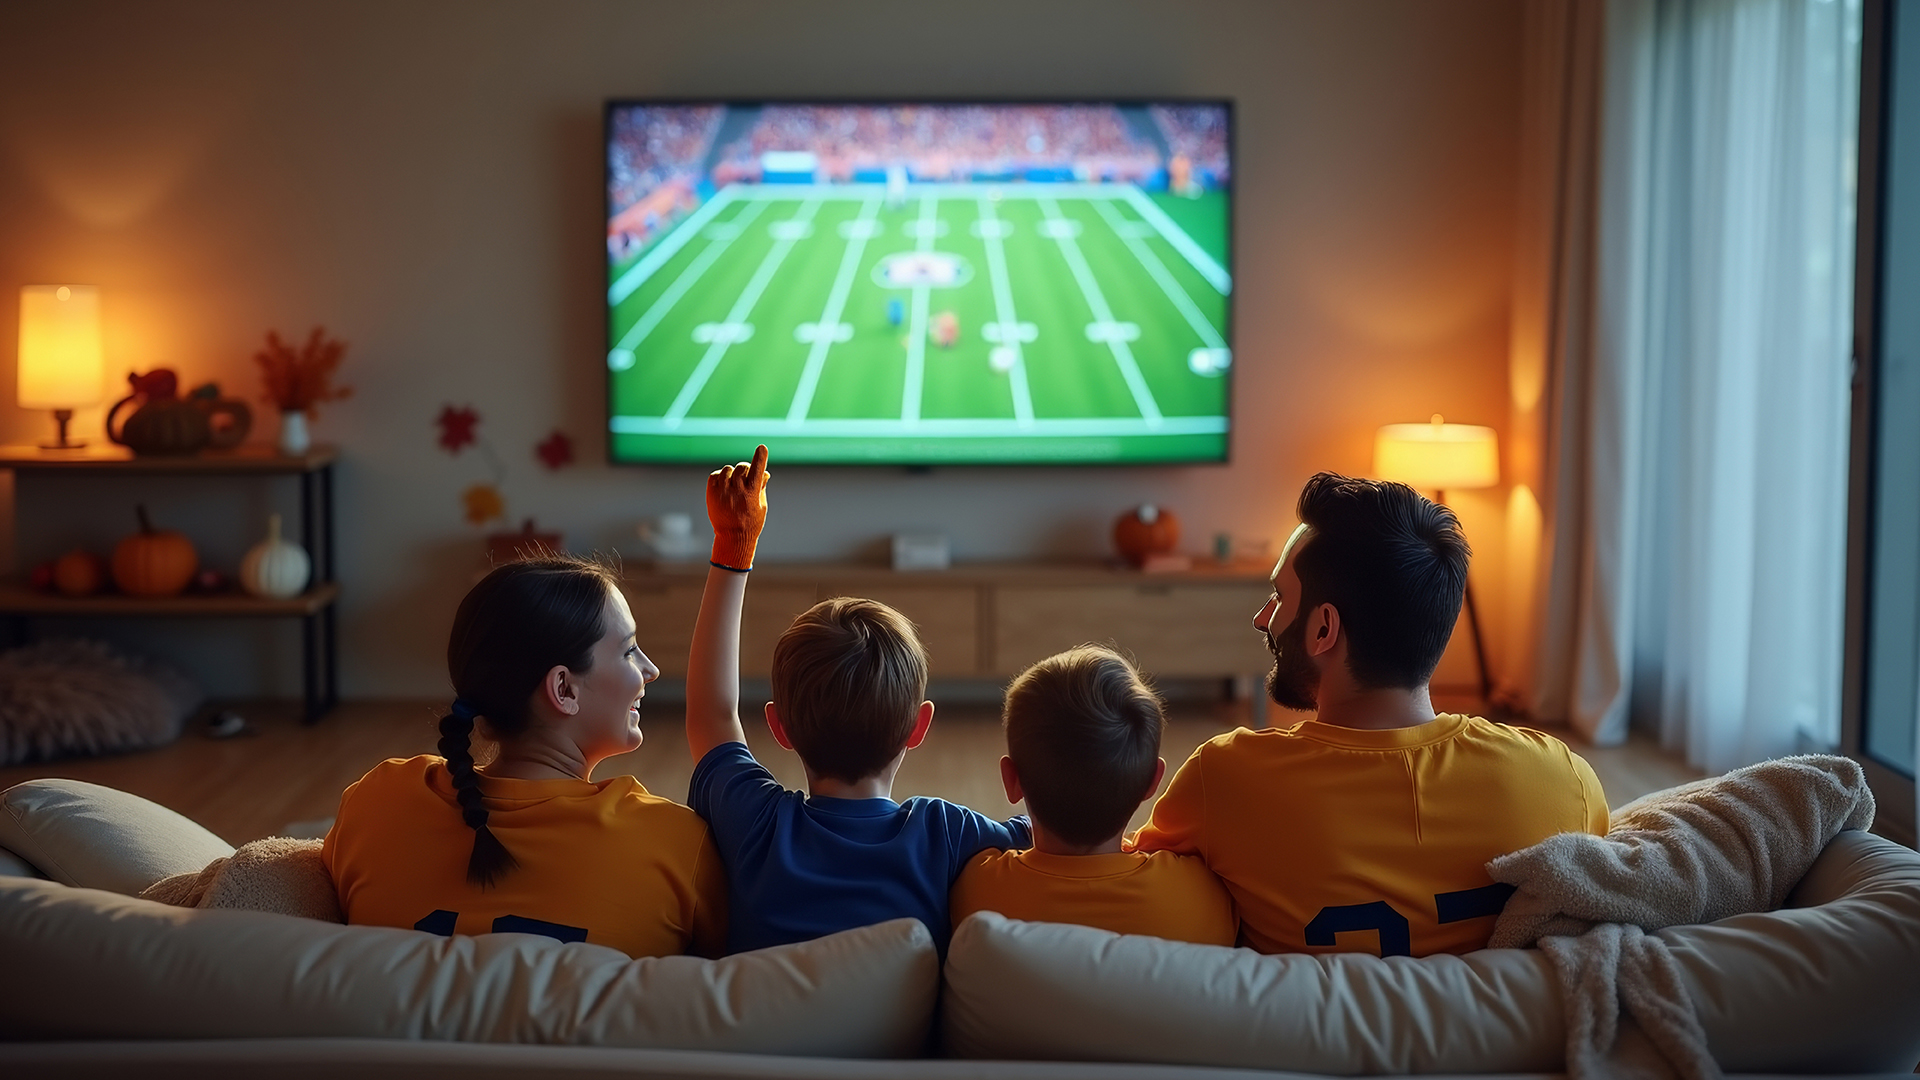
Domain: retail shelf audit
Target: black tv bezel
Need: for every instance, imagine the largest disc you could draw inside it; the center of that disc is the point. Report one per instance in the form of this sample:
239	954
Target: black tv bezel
1233	252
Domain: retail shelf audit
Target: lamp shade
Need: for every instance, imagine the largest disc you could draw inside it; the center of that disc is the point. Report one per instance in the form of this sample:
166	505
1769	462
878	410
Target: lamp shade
61	363
1437	456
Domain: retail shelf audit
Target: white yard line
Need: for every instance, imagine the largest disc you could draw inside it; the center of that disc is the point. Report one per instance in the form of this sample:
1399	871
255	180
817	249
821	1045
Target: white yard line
741	309
961	191
1209	268
917	328
639	272
687	279
1097	303
1004	312
824	337
1158	271
937	427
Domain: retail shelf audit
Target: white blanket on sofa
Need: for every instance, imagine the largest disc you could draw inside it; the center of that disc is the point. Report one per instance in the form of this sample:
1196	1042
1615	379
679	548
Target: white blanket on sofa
280	874
1692	854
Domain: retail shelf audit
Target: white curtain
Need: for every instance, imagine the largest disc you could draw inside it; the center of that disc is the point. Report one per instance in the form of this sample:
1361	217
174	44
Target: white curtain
1695	572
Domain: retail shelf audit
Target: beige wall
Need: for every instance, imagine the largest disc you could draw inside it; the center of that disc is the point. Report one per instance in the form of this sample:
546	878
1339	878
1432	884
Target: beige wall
423	178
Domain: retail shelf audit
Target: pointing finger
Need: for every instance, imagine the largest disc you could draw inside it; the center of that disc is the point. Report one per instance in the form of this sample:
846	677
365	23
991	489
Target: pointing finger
758	470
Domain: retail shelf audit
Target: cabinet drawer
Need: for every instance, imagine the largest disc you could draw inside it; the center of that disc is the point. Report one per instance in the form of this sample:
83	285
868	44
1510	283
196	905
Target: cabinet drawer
663	623
768	612
1170	630
948	617
663	616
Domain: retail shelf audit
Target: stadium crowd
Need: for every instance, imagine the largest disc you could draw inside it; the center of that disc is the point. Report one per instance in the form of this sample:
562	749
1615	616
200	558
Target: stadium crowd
1198	133
652	144
654	154
939	141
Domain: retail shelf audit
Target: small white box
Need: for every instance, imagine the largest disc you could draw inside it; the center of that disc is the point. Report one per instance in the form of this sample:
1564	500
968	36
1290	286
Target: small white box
921	551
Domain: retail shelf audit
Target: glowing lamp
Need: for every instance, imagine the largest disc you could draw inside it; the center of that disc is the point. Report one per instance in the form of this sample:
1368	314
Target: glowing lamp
61	362
1437	456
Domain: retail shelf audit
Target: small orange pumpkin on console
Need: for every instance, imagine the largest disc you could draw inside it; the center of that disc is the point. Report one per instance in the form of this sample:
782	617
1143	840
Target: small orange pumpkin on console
154	562
1145	531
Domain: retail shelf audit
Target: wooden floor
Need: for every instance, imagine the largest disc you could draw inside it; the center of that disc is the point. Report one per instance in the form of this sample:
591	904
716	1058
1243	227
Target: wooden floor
289	775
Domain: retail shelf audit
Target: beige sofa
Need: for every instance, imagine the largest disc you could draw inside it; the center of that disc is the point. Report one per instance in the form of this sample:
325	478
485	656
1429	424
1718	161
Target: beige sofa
95	981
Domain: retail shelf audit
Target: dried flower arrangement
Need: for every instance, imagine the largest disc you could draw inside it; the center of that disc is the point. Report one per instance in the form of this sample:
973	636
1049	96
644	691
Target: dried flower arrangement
484	502
298	380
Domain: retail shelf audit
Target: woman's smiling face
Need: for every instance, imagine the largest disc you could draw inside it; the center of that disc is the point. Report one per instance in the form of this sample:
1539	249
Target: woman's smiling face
608	722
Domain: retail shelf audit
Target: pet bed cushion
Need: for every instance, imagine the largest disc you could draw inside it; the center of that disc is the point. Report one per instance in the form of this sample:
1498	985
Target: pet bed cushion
65	697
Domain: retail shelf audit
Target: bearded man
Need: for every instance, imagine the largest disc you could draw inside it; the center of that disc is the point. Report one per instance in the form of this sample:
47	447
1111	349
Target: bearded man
1369	826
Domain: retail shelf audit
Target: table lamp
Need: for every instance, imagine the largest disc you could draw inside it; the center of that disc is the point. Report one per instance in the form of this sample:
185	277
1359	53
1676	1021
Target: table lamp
1438	456
60	356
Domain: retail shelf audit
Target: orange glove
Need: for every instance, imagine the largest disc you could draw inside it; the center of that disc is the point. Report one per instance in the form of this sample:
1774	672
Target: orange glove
737	508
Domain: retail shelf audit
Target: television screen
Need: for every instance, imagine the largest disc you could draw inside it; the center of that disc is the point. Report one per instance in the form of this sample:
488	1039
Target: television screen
919	283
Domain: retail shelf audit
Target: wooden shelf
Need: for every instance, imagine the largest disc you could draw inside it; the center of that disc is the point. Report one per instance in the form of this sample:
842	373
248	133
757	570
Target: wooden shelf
1062	572
255	458
17	599
988	620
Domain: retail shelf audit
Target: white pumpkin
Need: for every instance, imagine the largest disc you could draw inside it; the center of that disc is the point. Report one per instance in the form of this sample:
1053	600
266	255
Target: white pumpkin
275	568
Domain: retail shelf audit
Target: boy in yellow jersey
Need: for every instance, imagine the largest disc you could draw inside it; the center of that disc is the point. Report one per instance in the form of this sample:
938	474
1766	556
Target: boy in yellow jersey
1368	827
1083	745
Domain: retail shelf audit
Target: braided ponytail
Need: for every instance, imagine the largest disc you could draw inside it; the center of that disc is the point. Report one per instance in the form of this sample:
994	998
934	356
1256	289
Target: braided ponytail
515	625
490	858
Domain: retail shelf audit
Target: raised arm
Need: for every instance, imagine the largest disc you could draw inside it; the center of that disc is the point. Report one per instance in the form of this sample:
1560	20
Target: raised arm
737	507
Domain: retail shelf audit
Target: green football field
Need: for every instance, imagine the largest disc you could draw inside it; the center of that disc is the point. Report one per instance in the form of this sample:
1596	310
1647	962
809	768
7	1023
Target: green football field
963	323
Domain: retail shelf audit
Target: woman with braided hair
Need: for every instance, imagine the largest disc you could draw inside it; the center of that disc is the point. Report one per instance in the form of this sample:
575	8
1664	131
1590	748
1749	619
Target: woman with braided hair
545	668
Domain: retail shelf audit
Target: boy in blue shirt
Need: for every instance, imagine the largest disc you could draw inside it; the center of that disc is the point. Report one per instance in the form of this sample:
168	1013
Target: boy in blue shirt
849	683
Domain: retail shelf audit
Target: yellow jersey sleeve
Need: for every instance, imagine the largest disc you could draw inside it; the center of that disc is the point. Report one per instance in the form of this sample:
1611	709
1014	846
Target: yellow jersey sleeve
1178	822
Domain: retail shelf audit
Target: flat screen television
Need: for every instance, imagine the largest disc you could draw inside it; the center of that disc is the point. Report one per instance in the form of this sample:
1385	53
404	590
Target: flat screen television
920	283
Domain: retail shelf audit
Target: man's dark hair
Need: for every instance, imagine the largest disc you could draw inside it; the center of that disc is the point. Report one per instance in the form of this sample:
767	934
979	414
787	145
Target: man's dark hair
1394	564
1083	730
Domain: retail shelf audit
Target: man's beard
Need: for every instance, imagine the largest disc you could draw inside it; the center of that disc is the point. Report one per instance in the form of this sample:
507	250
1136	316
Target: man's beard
1294	682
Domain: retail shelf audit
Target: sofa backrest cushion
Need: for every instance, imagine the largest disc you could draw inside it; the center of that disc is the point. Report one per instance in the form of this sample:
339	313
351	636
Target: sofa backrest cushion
98	838
1041	990
110	966
1816	988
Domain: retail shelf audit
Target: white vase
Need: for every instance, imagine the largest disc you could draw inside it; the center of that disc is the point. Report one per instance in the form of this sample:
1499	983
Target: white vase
294	439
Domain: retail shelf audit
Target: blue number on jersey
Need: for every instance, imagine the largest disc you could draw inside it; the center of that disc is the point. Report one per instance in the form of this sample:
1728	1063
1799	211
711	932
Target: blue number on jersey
1395	937
441	922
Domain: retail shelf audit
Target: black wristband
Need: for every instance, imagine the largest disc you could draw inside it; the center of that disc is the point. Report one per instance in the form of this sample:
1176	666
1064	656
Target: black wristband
734	569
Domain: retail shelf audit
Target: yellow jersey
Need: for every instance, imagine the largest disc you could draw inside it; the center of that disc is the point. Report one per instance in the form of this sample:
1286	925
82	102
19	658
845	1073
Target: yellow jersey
1339	839
1159	894
606	862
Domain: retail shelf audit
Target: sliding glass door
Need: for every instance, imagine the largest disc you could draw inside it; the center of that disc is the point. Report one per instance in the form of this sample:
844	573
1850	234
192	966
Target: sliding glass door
1882	714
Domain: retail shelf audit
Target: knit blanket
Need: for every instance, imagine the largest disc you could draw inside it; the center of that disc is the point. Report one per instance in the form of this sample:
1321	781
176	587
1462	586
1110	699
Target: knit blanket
277	874
1692	854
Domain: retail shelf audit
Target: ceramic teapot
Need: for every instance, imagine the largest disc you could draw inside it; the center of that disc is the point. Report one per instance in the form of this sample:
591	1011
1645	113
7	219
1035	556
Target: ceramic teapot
164	424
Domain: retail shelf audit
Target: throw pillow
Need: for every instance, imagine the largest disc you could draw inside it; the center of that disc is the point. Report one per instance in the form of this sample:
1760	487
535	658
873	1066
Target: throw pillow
98	838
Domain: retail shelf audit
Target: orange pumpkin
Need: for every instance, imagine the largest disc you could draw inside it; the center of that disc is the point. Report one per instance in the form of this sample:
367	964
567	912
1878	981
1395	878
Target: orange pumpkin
1145	530
79	573
153	562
